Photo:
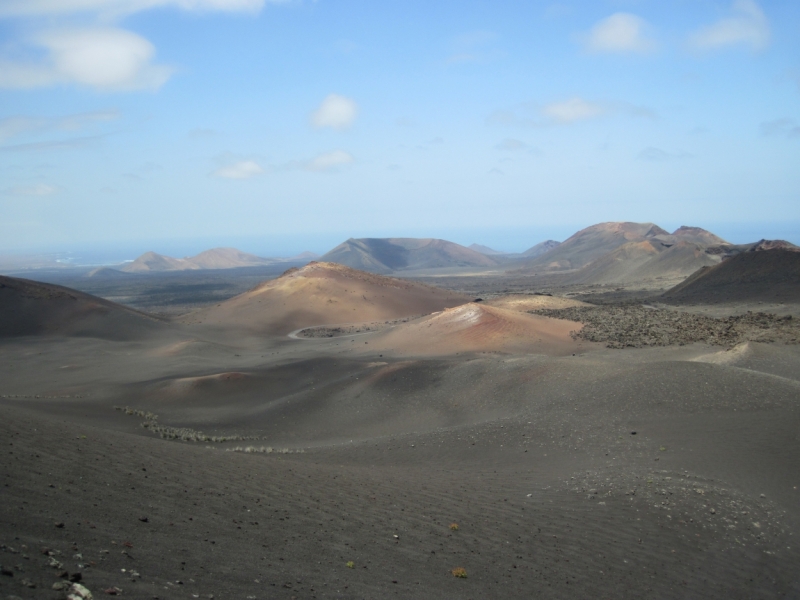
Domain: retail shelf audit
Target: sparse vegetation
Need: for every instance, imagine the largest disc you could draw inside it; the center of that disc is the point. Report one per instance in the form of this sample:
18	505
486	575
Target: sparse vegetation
263	450
180	433
453	526
459	572
635	326
350	564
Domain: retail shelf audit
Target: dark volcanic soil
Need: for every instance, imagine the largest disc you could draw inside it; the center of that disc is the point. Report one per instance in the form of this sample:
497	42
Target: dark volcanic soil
669	470
636	326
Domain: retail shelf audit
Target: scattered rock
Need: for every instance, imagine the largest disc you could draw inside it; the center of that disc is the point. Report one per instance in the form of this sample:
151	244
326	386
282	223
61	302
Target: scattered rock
634	326
78	592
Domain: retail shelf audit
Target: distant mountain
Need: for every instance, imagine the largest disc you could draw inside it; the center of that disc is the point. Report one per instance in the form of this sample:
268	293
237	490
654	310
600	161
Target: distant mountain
302	256
386	255
729	250
228	258
150	262
769	271
541	248
589	244
698	236
484	249
694	235
216	258
508	257
647	259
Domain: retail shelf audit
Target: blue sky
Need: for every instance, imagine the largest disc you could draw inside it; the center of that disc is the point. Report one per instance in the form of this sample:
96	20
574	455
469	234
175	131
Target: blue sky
176	125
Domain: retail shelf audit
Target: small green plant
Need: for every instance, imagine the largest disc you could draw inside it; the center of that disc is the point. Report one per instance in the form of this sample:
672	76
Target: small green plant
350	564
454	526
663	448
459	572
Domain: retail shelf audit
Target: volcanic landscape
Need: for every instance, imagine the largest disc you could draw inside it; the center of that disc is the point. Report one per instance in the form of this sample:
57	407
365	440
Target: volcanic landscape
615	416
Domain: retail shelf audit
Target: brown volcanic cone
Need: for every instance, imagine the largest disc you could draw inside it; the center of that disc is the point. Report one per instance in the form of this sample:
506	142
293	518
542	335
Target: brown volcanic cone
33	308
768	275
476	327
323	293
385	255
636	261
590	244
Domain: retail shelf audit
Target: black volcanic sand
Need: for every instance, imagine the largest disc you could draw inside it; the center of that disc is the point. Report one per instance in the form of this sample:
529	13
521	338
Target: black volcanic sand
667	472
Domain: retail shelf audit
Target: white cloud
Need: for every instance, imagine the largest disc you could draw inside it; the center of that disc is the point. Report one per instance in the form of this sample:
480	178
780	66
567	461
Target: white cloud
574	109
336	112
747	26
329	160
104	58
241	170
39	189
40	8
621	32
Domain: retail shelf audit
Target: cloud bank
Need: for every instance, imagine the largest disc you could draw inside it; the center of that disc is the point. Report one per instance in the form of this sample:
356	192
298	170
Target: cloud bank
104	58
100	55
118	8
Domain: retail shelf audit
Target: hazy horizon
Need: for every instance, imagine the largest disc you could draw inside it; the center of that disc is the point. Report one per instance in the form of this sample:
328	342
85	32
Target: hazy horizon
510	241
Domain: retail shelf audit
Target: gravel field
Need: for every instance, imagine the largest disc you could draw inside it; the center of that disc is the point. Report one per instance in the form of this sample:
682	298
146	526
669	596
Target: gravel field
632	326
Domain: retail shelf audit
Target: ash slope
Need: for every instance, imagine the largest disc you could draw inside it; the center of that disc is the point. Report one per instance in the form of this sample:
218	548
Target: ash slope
479	328
766	275
325	293
30	308
665	473
533	458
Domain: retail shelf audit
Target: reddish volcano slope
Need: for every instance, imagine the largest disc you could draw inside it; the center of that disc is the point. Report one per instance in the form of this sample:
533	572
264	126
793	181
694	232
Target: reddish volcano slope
589	244
323	294
479	328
